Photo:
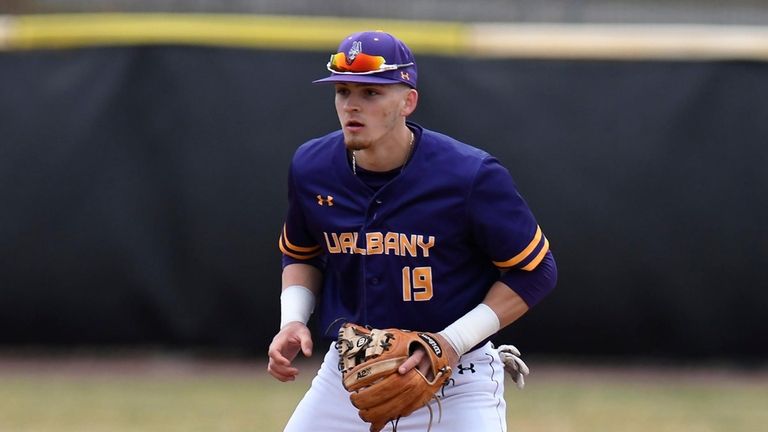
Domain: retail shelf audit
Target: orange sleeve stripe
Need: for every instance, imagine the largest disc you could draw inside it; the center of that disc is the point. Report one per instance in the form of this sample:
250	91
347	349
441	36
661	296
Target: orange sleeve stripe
293	247
517	259
539	257
284	250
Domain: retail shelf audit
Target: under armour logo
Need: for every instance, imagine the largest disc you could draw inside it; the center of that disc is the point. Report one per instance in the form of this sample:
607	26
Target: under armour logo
327	200
471	368
405	76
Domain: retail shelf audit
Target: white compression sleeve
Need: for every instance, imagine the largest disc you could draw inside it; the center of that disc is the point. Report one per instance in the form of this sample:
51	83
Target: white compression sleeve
296	304
469	330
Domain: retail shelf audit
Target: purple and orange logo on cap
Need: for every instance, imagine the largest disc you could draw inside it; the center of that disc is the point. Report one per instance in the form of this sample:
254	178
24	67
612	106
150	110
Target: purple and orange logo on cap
374	57
357	48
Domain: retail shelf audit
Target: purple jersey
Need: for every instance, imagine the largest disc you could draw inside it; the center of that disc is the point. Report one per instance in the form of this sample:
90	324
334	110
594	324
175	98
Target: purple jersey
419	252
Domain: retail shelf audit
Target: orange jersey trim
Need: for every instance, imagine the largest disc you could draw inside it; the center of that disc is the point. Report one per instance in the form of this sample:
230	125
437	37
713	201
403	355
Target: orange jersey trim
297	252
539	257
296	256
517	259
290	245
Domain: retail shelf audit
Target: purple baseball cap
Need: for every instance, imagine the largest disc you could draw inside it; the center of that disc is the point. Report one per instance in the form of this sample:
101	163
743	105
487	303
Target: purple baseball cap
373	57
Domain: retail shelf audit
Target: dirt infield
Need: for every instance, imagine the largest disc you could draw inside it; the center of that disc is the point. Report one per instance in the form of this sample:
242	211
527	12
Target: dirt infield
126	363
151	363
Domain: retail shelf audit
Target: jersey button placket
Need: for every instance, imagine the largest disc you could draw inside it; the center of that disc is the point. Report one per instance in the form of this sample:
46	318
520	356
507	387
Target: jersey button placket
376	205
372	213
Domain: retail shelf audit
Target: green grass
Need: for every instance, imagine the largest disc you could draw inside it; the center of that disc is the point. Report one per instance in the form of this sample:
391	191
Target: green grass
173	397
63	404
638	406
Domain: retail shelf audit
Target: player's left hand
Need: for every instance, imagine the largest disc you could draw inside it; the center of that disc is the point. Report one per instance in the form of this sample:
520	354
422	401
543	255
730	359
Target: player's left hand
420	360
369	360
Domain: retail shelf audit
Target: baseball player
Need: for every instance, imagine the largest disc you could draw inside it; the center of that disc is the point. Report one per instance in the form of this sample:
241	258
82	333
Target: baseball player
392	225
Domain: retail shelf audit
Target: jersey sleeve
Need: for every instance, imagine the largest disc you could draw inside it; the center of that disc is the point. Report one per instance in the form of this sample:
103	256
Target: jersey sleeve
532	286
503	225
296	243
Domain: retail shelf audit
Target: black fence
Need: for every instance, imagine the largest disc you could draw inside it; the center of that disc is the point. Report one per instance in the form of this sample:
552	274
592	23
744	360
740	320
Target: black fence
142	193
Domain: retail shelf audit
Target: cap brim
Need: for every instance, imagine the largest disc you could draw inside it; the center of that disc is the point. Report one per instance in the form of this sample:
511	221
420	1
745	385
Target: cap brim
364	79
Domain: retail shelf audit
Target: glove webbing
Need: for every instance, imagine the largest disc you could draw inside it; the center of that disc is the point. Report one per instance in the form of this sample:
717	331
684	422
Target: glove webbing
365	347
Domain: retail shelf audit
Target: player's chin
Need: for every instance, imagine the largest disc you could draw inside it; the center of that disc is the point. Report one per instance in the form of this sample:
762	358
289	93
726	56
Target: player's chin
356	143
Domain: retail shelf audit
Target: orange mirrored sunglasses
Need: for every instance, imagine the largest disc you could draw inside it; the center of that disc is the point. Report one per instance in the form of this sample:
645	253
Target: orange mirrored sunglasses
362	64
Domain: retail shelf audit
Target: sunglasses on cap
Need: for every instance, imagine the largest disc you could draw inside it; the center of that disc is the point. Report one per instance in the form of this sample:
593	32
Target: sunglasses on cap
362	64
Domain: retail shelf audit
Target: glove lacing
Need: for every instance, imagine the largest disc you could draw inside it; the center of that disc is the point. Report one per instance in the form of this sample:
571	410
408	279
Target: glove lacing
429	407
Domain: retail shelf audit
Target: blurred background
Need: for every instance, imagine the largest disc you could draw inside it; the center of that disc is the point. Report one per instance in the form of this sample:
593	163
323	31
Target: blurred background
144	148
741	12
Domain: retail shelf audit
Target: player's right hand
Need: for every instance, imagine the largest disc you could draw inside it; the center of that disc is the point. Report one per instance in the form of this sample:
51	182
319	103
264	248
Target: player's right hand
285	346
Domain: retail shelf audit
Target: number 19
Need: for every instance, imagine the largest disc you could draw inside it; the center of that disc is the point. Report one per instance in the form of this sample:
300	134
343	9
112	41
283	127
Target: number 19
417	284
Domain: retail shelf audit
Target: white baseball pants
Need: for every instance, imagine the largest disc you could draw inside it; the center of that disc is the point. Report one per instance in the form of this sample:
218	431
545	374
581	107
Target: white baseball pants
471	400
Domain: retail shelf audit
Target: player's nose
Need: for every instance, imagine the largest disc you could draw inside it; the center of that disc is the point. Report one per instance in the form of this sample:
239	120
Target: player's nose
351	107
351	104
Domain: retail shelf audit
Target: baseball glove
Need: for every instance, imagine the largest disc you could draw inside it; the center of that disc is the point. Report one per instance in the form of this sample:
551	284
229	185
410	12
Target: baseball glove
368	361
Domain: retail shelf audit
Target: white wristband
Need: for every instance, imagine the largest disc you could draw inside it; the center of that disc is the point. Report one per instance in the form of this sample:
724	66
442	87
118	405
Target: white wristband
469	330
296	304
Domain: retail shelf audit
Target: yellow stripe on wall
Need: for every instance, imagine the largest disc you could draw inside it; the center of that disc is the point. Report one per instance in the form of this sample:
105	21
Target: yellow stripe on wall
505	40
252	31
620	41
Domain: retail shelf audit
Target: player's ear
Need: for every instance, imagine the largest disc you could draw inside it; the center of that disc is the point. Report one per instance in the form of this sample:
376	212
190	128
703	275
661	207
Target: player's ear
411	100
